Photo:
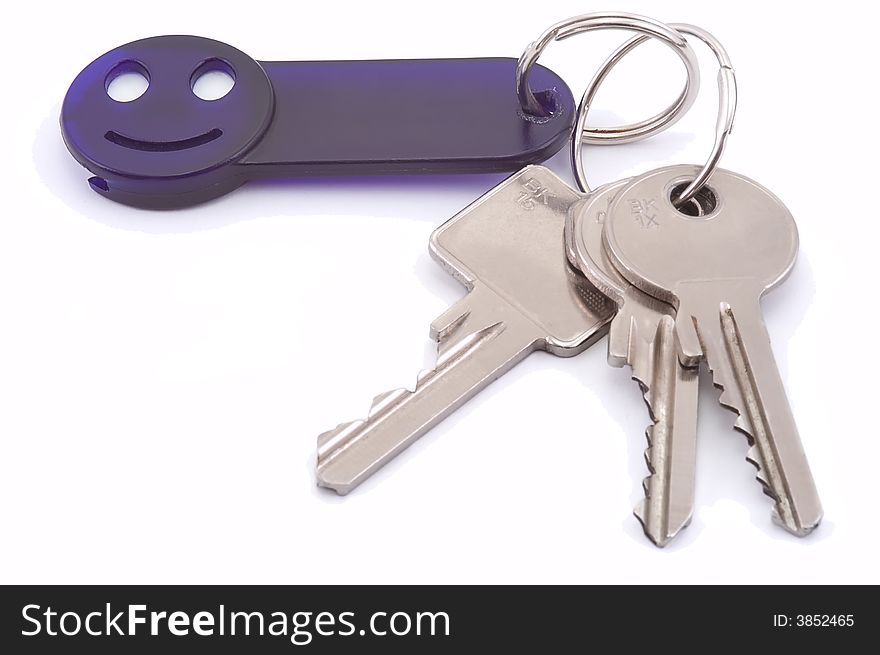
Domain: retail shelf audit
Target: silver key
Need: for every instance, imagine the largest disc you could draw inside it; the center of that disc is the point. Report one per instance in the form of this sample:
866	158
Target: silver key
508	249
714	270
641	335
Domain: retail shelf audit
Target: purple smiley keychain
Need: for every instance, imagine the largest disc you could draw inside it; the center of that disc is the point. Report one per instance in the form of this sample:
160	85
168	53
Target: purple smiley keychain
171	148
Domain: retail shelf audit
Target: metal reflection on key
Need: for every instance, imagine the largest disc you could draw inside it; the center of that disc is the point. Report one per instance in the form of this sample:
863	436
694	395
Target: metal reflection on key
642	335
713	269
508	249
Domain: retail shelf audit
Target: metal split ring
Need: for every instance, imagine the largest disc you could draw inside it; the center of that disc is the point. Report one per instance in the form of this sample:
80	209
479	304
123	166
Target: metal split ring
723	125
649	28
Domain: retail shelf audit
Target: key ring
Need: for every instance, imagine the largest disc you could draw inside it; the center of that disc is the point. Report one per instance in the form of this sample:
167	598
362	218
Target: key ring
605	20
723	125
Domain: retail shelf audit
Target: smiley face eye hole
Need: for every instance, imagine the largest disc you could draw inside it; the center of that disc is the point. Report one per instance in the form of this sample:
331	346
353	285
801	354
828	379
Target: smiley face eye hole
127	81
212	80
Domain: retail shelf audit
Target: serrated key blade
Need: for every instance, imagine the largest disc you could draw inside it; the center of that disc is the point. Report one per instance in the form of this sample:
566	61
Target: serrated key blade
671	393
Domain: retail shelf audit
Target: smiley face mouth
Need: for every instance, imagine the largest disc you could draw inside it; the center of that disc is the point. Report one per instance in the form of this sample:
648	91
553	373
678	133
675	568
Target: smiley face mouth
163	146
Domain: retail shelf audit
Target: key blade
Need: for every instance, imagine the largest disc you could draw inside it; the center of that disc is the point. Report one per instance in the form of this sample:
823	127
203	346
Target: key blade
643	336
741	359
783	467
481	338
508	248
671	393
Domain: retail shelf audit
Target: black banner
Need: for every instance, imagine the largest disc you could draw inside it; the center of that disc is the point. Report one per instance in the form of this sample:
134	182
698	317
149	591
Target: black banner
324	619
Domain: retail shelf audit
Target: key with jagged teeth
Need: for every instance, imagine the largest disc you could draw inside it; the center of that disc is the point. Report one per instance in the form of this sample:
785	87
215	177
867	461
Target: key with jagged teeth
508	250
714	268
642	335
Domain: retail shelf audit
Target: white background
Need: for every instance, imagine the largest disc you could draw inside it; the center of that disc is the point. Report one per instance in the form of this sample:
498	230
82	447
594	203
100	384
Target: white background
163	376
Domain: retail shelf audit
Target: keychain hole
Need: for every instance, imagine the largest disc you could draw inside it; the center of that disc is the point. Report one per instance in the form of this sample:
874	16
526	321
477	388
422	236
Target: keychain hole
702	204
549	101
127	81
212	80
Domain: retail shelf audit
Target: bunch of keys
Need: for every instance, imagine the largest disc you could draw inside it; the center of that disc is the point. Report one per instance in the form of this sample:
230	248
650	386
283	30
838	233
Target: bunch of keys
672	264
